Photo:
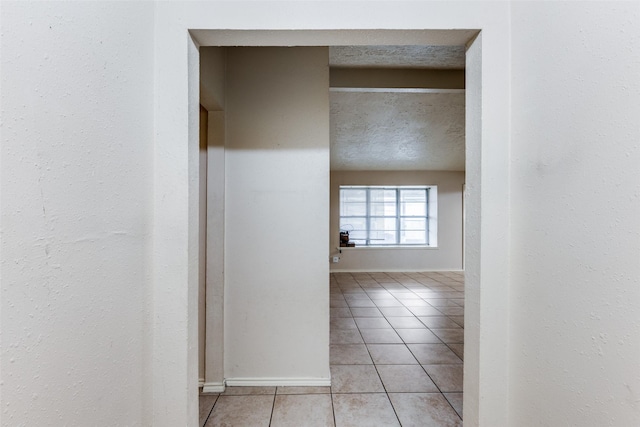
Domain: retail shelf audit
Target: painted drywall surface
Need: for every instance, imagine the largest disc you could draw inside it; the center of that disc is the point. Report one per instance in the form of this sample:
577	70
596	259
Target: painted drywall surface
473	365
212	90
172	399
277	197
448	254
202	240
173	19
214	342
575	292
76	185
212	67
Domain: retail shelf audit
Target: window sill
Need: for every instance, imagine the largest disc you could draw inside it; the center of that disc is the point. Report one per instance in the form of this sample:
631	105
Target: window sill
377	248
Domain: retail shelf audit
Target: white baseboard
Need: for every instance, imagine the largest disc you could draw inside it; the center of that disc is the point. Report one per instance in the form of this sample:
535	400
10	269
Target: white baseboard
280	382
200	382
213	387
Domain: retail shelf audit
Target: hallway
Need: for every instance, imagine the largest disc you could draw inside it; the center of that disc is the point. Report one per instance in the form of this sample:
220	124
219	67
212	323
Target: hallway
396	359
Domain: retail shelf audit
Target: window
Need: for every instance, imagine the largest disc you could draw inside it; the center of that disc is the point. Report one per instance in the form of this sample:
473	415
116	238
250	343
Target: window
384	216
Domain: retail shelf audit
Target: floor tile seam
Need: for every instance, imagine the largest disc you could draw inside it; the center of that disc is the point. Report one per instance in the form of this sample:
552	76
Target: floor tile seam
416	317
273	408
333	409
210	411
421	364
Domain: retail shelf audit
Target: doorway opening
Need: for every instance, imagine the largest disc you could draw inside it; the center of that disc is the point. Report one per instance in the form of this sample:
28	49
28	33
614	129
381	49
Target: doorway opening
226	314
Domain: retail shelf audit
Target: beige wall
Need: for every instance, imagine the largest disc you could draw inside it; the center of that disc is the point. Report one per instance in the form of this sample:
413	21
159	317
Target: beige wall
277	217
446	256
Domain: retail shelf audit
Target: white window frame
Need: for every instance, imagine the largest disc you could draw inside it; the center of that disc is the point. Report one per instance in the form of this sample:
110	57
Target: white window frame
430	217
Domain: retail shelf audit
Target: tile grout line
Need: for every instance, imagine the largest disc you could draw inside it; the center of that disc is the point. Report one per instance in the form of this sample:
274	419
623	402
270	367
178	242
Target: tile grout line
273	405
441	341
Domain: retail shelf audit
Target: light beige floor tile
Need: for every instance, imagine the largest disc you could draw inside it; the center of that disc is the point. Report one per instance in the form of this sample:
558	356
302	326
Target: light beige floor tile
302	390
424	409
349	354
452	311
405	322
434	354
450	336
245	411
395	311
391	354
425	311
346	336
448	378
380	336
340	312
360	302
455	399
250	390
206	402
405	379
387	302
418	336
309	410
441	302
342	323
366	312
438	322
363	410
372	323
415	303
458	349
355	379
337	303
378	293
459	320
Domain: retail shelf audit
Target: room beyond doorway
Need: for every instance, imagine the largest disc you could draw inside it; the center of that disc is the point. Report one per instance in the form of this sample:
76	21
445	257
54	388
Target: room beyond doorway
232	310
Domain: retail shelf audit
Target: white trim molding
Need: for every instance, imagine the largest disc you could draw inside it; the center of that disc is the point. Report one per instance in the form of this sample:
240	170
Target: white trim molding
280	382
213	387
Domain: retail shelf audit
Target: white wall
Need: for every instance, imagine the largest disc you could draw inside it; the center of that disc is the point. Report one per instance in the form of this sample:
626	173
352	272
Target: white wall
82	131
446	256
76	184
276	216
575	189
212	93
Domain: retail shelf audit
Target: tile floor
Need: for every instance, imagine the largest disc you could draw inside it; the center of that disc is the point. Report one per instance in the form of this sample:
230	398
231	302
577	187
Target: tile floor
396	360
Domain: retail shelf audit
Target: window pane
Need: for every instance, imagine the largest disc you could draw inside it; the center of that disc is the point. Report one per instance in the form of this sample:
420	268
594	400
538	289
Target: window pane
383	209
413	202
354	225
413	209
372	215
413	237
353	202
383	231
382	202
351	195
382	237
413	224
413	196
353	209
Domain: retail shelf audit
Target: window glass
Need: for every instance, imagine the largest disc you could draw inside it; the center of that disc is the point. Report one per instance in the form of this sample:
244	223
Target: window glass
378	216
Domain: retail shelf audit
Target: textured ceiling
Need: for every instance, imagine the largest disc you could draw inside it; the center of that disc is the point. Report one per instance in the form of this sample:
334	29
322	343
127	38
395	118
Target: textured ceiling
434	57
397	131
